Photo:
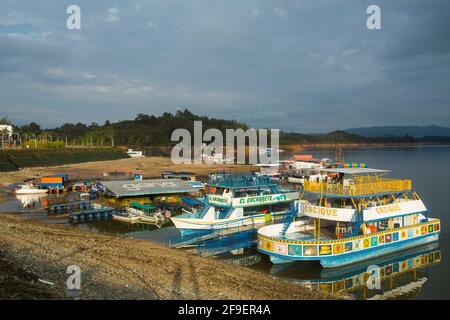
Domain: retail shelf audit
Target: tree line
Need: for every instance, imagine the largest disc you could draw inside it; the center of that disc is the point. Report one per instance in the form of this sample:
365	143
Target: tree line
149	130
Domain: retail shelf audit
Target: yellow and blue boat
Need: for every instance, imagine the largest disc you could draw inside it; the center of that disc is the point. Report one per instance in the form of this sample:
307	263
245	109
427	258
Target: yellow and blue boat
357	215
399	275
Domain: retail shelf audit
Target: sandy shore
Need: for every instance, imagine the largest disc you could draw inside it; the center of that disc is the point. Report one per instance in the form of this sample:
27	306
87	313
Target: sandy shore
121	268
151	167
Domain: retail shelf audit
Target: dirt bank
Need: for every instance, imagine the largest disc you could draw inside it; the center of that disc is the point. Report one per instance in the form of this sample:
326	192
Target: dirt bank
123	268
151	166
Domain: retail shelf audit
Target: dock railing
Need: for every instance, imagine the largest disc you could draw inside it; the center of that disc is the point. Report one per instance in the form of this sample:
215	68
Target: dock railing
362	186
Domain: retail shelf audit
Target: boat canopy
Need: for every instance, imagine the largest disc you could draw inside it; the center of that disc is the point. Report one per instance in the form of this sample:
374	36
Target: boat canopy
142	206
355	170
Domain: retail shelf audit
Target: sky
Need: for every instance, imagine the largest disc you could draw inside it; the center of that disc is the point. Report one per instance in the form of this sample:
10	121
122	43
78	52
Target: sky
297	65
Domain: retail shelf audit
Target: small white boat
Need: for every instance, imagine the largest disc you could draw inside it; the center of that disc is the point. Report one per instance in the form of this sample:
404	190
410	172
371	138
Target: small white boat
126	217
147	213
152	219
29	188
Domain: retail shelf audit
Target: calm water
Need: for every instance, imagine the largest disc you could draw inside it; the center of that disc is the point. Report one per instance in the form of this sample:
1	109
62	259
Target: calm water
425	275
429	168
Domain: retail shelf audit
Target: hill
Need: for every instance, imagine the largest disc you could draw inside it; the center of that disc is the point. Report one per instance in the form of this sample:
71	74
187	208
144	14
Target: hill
155	131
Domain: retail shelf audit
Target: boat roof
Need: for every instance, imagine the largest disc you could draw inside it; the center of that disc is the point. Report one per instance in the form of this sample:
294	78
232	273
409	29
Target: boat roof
303	157
142	206
191	201
355	170
132	188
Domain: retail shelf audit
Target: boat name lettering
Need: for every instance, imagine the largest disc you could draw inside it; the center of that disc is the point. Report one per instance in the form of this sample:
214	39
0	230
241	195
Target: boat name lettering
263	199
388	209
321	210
217	199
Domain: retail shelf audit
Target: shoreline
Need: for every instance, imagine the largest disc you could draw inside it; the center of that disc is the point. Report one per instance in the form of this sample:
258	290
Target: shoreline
319	146
114	267
150	166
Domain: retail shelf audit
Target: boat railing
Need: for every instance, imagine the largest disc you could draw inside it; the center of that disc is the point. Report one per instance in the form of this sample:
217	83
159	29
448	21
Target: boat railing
359	188
243	181
276	228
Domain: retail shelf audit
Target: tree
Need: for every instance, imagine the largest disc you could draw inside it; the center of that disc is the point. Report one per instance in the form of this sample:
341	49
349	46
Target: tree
5	120
32	128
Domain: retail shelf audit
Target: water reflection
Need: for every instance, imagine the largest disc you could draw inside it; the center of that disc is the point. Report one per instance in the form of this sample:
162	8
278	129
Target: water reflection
32	201
399	276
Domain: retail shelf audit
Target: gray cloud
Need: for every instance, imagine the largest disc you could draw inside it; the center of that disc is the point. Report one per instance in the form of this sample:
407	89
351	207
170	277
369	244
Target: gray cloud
297	65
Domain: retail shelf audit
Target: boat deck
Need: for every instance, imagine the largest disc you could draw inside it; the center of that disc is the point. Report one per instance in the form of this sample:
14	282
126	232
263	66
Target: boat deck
326	234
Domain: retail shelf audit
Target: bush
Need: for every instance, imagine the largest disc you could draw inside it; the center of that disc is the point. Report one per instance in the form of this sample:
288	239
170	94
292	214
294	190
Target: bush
11	160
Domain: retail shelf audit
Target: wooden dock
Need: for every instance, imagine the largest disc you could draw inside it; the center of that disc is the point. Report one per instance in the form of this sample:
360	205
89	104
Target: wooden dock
82	205
92	213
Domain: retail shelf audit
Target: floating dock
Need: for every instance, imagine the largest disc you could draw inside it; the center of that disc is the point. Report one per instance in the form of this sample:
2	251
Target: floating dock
92	213
82	205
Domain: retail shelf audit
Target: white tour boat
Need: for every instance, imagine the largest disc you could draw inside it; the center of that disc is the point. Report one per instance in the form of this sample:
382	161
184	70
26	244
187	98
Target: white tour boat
30	188
237	201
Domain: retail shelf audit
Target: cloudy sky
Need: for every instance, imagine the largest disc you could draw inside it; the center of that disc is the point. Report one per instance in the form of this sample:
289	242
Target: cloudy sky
301	65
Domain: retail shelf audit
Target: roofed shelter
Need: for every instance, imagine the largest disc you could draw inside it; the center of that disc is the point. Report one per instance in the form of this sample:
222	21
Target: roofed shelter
153	190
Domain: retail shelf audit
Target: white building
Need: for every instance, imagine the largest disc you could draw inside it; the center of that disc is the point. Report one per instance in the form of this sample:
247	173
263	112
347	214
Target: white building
7	128
135	154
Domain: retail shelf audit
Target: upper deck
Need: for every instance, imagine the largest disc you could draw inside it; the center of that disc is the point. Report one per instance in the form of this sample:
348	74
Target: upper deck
364	182
247	191
240	181
380	186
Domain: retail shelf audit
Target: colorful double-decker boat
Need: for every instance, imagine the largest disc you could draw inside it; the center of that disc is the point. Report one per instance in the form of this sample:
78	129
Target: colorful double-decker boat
357	215
238	200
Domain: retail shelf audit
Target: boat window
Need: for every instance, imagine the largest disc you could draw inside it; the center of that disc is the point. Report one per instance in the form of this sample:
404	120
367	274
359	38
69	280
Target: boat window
219	191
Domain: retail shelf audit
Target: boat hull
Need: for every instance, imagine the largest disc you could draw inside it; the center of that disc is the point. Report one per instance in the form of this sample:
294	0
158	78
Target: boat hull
149	219
130	219
188	225
333	262
342	252
31	191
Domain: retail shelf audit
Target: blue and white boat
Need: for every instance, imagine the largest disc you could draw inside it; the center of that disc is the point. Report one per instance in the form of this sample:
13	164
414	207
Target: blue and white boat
357	216
238	200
